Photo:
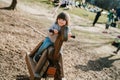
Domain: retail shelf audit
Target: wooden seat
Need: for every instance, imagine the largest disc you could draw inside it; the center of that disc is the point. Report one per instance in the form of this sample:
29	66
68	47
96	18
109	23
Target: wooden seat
37	70
31	67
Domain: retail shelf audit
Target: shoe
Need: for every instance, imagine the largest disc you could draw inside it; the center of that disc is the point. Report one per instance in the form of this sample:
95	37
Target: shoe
104	32
34	59
115	52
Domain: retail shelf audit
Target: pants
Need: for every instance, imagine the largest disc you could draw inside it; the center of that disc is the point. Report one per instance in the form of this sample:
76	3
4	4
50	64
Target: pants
95	20
46	43
118	48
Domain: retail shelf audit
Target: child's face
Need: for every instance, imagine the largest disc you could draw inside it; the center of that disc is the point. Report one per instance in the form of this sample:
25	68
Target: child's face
61	22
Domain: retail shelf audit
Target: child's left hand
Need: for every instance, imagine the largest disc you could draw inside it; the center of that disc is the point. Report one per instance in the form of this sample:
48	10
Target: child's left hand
69	35
55	31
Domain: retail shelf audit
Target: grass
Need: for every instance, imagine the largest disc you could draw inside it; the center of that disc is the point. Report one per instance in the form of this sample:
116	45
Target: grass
88	15
119	26
82	13
41	2
76	11
91	36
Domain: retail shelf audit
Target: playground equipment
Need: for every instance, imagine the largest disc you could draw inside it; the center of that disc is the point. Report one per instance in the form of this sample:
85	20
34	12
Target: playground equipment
50	64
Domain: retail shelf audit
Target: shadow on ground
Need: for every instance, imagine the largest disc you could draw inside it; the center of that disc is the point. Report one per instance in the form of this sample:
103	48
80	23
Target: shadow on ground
97	65
22	77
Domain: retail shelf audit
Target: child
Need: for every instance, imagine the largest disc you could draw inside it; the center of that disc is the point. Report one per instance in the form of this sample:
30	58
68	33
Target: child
97	17
61	21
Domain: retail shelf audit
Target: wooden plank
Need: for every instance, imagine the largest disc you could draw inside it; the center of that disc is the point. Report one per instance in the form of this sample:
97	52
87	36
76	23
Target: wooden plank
41	62
61	66
31	67
35	49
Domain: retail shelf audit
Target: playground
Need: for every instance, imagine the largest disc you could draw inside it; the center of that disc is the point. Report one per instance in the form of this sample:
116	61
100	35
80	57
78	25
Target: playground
87	57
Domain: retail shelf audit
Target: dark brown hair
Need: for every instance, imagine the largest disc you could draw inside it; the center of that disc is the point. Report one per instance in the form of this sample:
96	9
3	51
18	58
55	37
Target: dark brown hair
63	16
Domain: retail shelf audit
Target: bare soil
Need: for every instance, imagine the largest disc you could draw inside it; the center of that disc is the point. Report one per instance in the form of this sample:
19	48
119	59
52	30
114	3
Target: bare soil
87	57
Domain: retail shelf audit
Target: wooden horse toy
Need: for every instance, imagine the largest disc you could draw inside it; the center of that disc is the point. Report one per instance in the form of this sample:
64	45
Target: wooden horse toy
50	64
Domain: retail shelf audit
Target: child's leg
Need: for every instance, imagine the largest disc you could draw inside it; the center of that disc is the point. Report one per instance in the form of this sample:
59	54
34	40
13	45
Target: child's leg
118	48
45	45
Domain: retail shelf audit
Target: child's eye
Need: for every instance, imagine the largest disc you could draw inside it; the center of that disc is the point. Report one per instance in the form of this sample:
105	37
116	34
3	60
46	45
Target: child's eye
62	19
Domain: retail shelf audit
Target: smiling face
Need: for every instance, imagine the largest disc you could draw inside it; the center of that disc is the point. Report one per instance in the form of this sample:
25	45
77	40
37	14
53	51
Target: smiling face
61	22
63	19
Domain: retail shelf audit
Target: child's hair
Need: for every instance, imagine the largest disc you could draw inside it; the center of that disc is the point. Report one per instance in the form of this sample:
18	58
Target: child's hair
64	16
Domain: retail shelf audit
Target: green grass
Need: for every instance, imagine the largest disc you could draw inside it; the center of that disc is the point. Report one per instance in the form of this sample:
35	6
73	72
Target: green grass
82	13
91	36
42	2
88	15
77	11
119	26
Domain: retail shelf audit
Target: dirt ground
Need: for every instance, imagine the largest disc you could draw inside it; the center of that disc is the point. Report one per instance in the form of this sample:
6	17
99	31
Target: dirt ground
87	57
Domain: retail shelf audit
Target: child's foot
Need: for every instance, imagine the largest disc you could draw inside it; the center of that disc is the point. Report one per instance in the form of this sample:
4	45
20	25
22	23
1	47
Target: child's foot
104	32
34	60
115	52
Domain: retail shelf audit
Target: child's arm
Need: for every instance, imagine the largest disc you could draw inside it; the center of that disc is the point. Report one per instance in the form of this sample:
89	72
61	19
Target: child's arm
70	35
54	29
69	32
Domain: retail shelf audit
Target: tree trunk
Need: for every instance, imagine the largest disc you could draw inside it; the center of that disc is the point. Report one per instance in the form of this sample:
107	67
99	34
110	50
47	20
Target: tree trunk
13	5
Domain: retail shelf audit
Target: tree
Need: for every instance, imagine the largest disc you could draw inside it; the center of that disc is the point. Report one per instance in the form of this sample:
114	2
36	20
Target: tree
12	6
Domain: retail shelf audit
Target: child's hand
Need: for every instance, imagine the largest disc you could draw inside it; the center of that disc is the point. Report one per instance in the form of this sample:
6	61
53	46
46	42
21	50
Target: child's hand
69	35
55	31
